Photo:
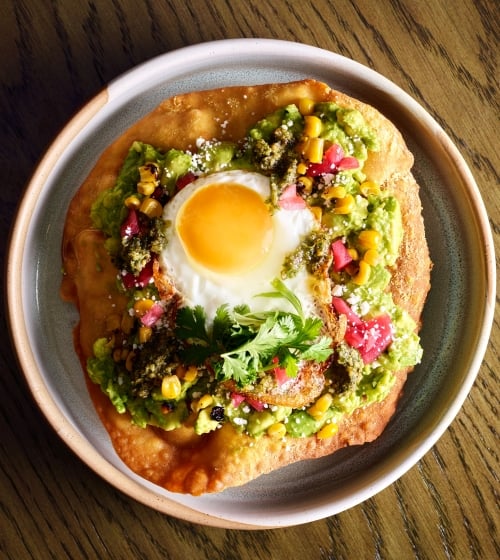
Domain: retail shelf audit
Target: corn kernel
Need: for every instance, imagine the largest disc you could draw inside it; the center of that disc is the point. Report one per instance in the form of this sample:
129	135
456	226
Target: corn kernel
145	334
205	402
171	387
306	183
353	253
312	126
334	192
191	374
371	257
344	205
317	212
146	188
132	201
194	406
369	239
149	172
277	430
363	273
314	150
319	408
369	187
201	404
306	105
301	168
151	207
328	431
142	306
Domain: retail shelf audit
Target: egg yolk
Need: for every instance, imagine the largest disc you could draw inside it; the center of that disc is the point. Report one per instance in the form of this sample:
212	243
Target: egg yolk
225	227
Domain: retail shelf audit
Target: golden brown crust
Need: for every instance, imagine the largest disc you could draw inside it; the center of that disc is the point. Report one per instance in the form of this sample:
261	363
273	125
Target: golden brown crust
296	392
179	460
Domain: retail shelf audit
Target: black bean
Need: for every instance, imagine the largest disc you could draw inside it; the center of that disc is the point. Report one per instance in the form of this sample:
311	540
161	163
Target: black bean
217	413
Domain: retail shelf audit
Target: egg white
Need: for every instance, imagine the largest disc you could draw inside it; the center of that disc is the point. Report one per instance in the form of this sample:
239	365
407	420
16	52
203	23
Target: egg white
200	286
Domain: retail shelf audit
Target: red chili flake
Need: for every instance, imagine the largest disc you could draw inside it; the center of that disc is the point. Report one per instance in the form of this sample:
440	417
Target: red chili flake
130	225
348	162
332	156
371	337
184	180
279	373
237	399
255	404
334	159
160	195
290	200
141	280
152	316
341	256
342	308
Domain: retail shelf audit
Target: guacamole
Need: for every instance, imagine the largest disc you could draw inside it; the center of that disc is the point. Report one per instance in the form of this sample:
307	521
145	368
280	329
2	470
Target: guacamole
198	368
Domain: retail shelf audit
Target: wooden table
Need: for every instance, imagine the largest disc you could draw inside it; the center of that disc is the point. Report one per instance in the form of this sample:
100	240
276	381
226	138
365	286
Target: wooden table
54	57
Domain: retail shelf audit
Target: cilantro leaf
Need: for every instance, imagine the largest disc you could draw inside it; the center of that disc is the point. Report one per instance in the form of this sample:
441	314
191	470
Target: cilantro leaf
237	369
242	345
196	354
222	323
288	361
271	335
191	325
285	293
319	351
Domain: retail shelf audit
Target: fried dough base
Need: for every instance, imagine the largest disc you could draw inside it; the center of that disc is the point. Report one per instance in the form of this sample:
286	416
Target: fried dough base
181	461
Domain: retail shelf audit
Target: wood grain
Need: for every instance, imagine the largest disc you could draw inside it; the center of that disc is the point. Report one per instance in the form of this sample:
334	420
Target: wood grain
56	55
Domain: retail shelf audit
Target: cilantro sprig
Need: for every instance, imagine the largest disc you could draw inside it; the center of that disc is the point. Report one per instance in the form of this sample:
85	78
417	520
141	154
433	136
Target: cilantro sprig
242	344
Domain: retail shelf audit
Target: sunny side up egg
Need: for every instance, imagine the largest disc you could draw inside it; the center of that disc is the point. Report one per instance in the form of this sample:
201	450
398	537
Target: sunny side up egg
225	244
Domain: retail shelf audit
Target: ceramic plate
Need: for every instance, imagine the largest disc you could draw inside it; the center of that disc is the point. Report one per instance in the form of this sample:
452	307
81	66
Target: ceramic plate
460	244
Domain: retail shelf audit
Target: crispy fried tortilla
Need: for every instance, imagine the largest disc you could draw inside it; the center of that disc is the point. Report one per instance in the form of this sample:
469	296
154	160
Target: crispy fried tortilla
180	460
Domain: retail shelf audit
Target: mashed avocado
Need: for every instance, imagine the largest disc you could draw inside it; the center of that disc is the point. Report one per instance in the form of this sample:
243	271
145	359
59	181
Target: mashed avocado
155	379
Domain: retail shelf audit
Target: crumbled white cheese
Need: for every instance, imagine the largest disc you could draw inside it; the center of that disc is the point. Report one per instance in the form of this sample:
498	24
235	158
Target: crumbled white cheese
338	290
364	308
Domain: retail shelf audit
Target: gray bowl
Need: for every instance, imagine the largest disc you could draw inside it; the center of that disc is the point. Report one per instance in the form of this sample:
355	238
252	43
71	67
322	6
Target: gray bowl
454	339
